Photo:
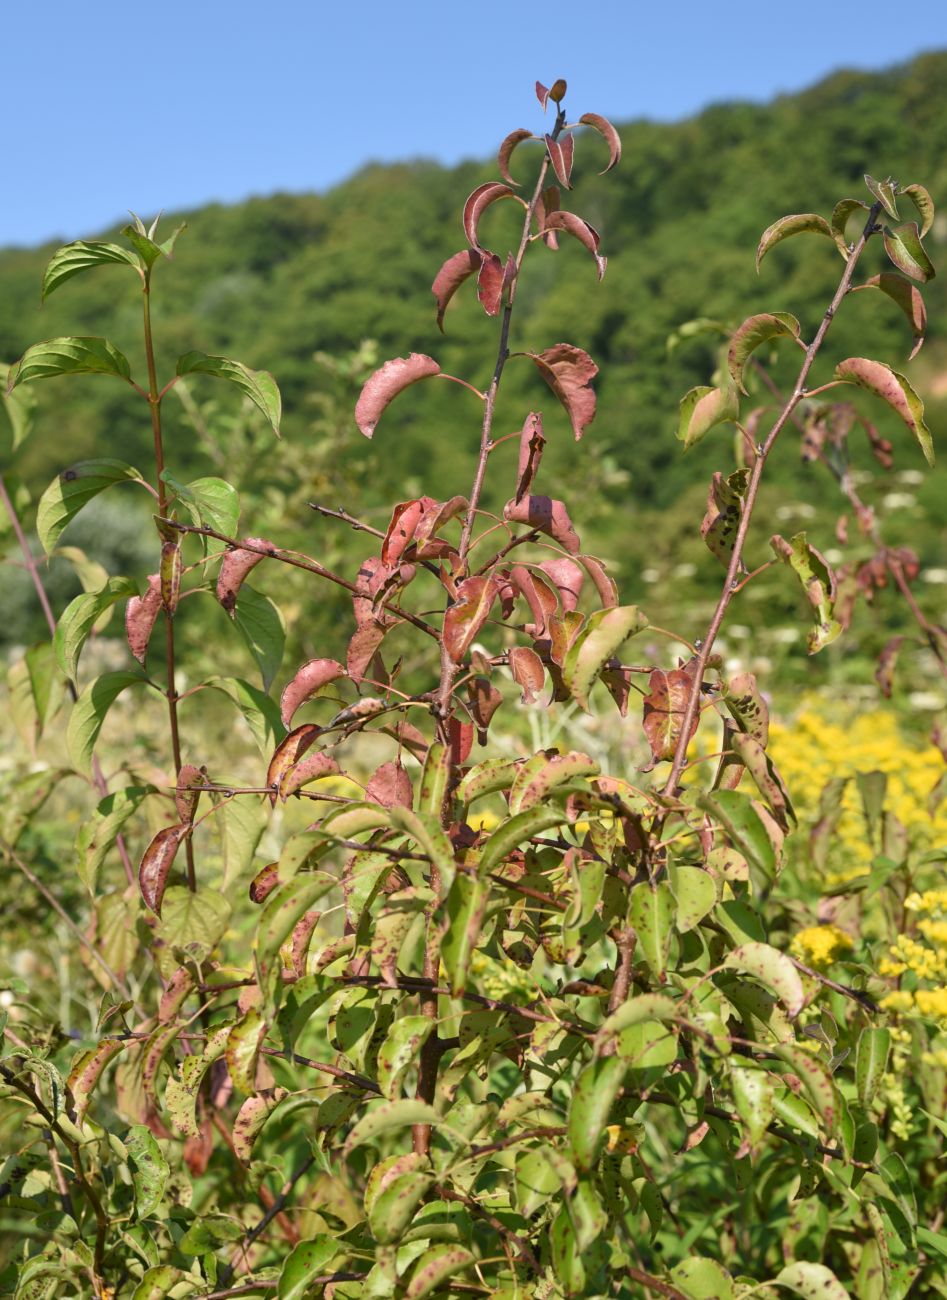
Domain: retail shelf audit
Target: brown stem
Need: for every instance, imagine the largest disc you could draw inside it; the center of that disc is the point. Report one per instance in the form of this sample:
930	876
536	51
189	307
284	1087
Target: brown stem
863	999
279	1204
896	569
736	559
266	1196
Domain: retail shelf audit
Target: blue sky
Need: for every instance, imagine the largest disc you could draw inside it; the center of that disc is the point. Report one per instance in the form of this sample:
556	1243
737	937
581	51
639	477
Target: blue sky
110	106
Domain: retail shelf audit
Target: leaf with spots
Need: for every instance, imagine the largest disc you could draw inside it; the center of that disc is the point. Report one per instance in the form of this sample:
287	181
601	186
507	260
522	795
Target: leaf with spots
86	1072
813	1281
818	583
724	512
151	1170
546	515
307	1260
569	373
651	913
773	969
141	612
595	1093
467	615
601	638
251	1117
924	204
664	707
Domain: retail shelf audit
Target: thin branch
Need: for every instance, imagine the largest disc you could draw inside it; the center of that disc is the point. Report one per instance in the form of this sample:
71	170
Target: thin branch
346	518
279	1204
857	995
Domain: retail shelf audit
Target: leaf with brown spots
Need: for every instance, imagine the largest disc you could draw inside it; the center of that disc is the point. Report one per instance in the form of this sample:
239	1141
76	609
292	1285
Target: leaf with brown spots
464	619
724	512
309	679
185	796
251	1117
287	753
483	700
362	648
243	1049
310	769
404	520
140	615
264	882
86	1072
664	709
390	786
156	863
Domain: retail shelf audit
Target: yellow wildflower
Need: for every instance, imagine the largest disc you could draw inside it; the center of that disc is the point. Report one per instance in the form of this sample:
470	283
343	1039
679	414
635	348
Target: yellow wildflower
820	945
932	1002
898	1000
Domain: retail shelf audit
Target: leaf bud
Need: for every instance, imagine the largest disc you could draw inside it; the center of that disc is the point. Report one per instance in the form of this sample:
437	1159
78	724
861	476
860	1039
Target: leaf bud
558	91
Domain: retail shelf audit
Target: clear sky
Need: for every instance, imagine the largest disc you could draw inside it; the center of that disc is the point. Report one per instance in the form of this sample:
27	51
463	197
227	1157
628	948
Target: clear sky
108	106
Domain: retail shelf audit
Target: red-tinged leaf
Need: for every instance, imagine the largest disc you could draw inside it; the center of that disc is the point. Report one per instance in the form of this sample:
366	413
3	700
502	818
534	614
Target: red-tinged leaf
264	882
506	152
724	512
308	680
300	940
605	586
702	408
581	230
362	649
797	224
569	373
908	298
404	521
175	994
883	191
567	577
903	246
86	1072
435	516
887	662
156	863
451	276
461	738
755	331
372	578
542	600
464	619
490	283
288	753
894	389
924	204
235	566
251	1117
841	215
532	444
140	615
169	575
560	155
664	709
550	204
609	134
385	385
483	700
391	787
185	796
546	515
542	94
509	272
563	633
527	670
617	681
476	205
308	770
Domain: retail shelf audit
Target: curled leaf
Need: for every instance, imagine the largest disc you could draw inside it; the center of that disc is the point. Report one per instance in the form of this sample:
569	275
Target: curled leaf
797	224
560	155
569	373
903	246
755	331
773	969
924	204
185	796
605	632
610	136
404	520
490	283
156	863
542	600
724	512
362	648
586	235
306	771
664	708
264	882
451	276
169	576
287	753
386	383
841	215
703	408
532	445
506	152
251	1117
234	567
86	1072
527	671
476	205
894	389
436	514
308	680
542	94
883	191
568	578
140	615
818	582
464	619
908	298
547	516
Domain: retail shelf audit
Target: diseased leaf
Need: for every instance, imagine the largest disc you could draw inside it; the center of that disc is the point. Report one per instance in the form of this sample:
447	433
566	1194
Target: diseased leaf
908	298
748	707
534	783
664	708
773	969
798	224
506	152
434	1267
904	248
386	383
587	235
451	276
388	1117
476	205
141	613
542	599
883	191
510	834
87	1070
818	582
74	488
400	1050
702	1279
69	356
604	634
237	562
610	136
251	1117
258	385
742	822
464	619
871	1062
724	512
755	331
695	893
169	576
89	713
651	915
560	155
924	204
568	579
288	753
606	587
151	1172
768	781
702	408
281	912
404	520
546	515
814	1281
156	864
390	786
243	1049
569	373
305	772
527	671
304	1262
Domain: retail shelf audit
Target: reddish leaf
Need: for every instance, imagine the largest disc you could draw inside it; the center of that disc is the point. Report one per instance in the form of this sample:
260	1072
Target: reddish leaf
157	862
887	661
362	648
461	737
527	670
185	797
86	1072
287	753
908	297
140	615
435	516
310	769
560	155
451	276
235	566
264	882
169	575
586	235
483	701
664	708
300	941
550	204
542	600
490	283
610	135
506	152
477	204
308	680
404	521
386	383
547	515
532	443
563	633
371	578
604	585
175	994
410	738
542	94
617	681
464	619
391	787
569	373
568	579
509	272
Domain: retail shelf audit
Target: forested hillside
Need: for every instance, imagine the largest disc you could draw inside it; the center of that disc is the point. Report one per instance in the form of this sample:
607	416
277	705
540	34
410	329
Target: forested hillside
276	280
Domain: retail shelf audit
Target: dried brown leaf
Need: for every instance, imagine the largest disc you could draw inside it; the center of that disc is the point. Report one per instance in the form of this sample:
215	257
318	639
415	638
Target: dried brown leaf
569	373
235	566
546	515
309	679
664	709
140	615
527	670
156	863
464	619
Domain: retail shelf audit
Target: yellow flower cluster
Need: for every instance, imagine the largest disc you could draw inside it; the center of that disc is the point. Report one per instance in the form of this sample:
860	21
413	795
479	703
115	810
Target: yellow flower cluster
924	957
820	945
822	742
503	980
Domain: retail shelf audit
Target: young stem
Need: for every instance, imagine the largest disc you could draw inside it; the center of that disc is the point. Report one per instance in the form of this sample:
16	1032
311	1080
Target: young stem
154	403
736	559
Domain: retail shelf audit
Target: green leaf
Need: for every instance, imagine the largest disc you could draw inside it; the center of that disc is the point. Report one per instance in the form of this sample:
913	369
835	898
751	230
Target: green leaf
240	824
702	408
908	297
755	331
74	488
800	223
486	778
871	1062
258	385
148	250
841	215
753	1098
816	1082
260	713
695	894
194	918
765	775
883	191
69	356
89	713
434	777
211	503
389	1117
594	1094
19	406
80	256
400	1049
818	583
736	814
396	1204
151	1172
651	915
283	909
243	1049
894	389
637	1010
702	1279
509	835
904	248
80	616
536	1180
427	833
434	1267
814	1281
773	969
606	631
466	904
924	204
304	1262
262	627
98	834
